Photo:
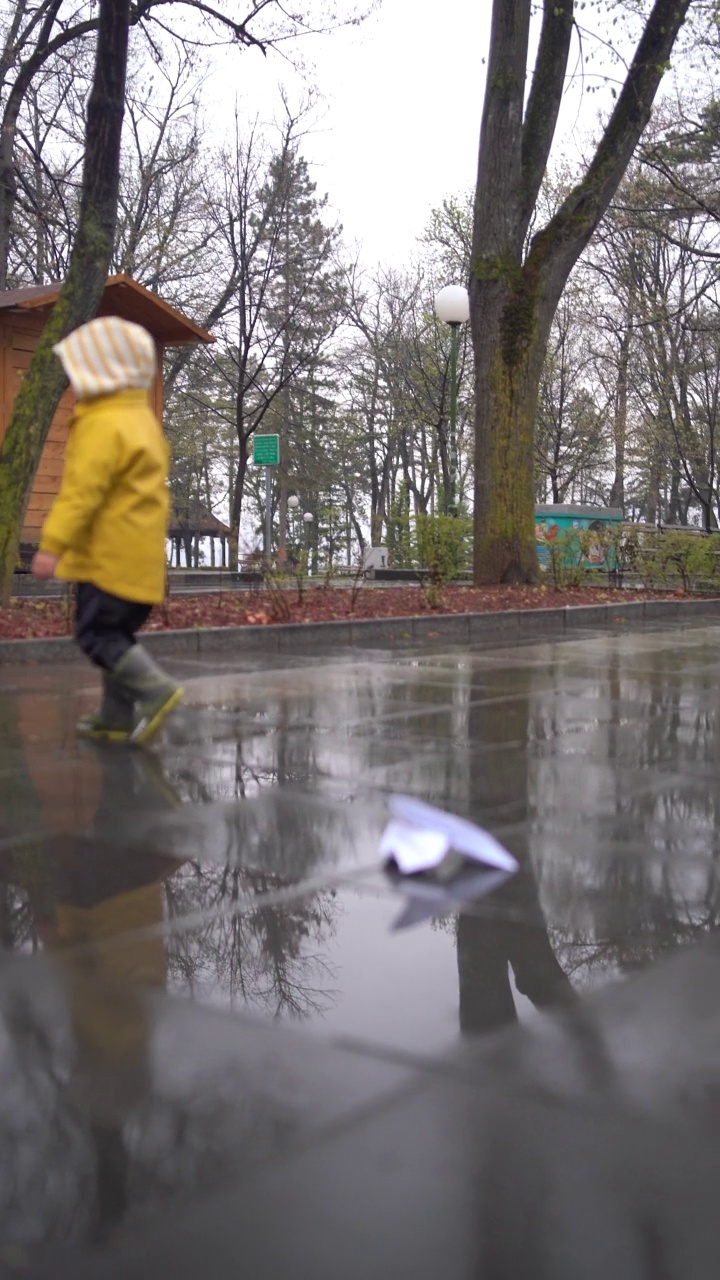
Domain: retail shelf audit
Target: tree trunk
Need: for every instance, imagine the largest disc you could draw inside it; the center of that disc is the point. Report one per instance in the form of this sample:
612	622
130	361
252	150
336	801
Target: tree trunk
617	493
514	290
44	382
237	497
653	510
507	377
676	512
282	519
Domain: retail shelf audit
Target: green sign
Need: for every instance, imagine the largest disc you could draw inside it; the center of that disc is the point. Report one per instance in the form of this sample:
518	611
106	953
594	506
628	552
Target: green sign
266	450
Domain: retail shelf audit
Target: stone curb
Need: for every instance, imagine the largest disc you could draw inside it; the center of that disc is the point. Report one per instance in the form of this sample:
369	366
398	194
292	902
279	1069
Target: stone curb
456	628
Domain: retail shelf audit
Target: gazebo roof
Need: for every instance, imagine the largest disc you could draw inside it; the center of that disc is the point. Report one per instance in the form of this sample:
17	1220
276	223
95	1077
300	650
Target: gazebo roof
201	522
122	297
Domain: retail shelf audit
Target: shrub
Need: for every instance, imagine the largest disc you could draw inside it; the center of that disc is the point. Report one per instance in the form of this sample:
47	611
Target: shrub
442	546
676	557
273	588
566	558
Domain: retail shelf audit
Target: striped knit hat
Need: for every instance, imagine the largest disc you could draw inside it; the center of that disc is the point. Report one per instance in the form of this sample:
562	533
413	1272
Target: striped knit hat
106	355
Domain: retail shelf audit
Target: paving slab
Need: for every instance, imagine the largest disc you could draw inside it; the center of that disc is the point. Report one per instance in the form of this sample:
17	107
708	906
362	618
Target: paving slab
220	1039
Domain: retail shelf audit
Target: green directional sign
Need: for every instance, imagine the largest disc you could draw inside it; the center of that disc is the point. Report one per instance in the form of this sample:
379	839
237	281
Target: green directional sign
266	451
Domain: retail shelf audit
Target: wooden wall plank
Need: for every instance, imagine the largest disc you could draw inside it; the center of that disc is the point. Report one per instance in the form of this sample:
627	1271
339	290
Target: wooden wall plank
50	466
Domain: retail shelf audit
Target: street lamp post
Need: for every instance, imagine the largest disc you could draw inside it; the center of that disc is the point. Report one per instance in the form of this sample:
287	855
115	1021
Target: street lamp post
292	505
452	306
308	519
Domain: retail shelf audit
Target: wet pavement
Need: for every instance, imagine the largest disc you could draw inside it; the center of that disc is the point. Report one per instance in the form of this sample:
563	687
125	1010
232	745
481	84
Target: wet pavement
220	1051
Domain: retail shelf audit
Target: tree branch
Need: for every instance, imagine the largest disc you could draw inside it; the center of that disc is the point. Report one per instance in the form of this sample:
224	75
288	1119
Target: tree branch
563	239
545	97
499	163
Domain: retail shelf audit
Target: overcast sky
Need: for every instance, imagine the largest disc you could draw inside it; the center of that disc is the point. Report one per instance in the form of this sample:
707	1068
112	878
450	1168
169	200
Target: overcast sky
399	120
404	101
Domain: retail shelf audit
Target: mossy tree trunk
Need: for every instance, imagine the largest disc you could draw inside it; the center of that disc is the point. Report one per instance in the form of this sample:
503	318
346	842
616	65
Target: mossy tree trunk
44	382
515	286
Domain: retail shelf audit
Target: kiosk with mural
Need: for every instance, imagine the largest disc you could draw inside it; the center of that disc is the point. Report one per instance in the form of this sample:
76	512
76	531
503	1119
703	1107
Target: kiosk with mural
552	520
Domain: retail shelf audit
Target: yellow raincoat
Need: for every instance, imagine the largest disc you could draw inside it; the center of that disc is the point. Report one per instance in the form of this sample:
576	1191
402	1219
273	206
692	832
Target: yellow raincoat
109	522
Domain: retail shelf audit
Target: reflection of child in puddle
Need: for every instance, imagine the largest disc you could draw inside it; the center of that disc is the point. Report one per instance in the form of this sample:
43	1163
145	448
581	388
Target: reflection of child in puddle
105	924
100	908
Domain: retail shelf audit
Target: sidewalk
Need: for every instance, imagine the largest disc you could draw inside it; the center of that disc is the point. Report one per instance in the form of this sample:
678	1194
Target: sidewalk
218	1057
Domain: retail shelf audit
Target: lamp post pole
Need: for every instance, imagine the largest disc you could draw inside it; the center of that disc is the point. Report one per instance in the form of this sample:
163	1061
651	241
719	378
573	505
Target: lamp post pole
293	503
452	509
308	519
267	550
452	306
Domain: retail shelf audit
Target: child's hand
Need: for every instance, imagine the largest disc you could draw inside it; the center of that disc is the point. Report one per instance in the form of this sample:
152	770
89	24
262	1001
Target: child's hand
44	564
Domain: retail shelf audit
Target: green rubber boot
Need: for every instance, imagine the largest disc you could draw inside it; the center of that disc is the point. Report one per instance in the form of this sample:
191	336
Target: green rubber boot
152	692
114	721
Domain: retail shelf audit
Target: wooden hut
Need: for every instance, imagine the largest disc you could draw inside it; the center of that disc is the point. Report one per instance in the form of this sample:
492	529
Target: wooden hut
23	313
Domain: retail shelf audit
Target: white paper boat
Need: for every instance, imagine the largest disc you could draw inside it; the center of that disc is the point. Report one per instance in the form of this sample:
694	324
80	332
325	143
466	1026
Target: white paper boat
421	838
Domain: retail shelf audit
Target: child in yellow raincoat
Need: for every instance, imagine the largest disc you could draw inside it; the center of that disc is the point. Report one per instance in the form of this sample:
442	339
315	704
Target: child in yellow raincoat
107	527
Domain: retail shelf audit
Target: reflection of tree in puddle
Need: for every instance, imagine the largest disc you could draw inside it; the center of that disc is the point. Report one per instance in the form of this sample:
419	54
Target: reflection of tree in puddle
235	771
340	731
32	717
252	832
216	860
86	1133
232	759
644	913
74	1050
626	872
511	934
269	959
636	876
70	891
488	948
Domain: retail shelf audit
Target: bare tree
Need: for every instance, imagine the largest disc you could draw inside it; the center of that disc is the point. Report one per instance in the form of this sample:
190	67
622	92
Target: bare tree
570	447
50	29
282	295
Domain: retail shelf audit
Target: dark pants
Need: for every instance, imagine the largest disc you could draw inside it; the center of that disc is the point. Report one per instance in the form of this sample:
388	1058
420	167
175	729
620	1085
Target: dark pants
105	625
